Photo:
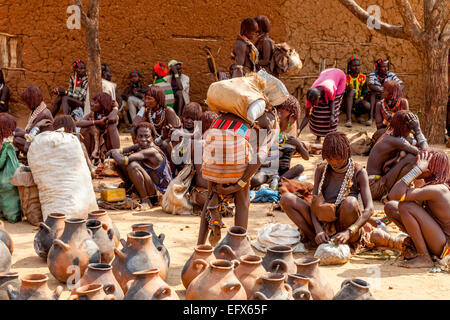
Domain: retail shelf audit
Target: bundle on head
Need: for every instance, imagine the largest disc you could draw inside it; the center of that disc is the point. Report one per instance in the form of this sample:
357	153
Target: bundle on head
439	166
7	125
65	122
32	96
336	146
399	124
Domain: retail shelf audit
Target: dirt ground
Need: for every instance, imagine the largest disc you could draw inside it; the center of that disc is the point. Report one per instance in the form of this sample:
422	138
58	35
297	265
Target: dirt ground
388	281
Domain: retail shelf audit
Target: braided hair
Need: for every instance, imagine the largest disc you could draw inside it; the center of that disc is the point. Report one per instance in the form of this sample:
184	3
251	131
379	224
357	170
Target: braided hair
399	124
7	125
291	105
439	167
336	146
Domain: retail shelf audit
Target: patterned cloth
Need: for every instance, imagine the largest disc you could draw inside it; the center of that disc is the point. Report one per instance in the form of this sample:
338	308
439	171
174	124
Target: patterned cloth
168	92
357	84
319	123
78	91
375	79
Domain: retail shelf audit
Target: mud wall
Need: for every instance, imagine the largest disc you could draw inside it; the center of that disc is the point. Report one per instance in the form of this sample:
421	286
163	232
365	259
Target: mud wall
139	33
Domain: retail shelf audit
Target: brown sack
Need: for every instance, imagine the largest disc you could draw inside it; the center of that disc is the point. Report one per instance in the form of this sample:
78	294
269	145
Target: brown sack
28	194
285	60
360	143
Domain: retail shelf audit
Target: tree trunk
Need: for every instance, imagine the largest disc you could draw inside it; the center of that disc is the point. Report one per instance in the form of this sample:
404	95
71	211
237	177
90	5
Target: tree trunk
435	78
93	59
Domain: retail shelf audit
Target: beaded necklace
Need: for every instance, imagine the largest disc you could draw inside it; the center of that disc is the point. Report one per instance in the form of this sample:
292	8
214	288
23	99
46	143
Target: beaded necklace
346	184
160	113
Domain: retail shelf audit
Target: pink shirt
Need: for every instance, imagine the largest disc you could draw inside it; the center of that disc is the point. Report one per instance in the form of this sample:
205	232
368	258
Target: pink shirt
332	81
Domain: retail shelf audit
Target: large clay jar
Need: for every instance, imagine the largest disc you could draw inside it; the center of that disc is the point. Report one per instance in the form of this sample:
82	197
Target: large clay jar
138	254
34	287
8	278
74	249
354	289
5	257
249	273
103	217
157	240
93	291
5	237
234	245
148	285
279	259
101	273
104	238
190	270
318	286
216	282
300	286
273	287
49	230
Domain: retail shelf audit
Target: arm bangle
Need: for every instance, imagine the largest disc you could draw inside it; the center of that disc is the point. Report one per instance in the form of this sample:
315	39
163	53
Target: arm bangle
420	138
353	229
402	198
241	183
412	175
2	102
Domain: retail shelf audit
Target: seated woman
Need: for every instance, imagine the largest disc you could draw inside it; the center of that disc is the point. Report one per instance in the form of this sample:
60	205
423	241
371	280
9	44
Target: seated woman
355	97
423	212
99	128
264	44
4	94
134	94
144	166
334	212
40	119
283	150
323	101
245	54
392	102
74	97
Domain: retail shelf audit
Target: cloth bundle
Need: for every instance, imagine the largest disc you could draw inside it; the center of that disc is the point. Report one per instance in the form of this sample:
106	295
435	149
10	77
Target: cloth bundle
277	234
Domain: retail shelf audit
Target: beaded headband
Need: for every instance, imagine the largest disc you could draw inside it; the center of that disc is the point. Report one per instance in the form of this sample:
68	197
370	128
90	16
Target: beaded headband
352	58
136	71
380	61
76	62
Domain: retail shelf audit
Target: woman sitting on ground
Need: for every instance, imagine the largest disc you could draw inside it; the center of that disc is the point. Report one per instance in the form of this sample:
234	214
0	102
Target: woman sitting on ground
99	128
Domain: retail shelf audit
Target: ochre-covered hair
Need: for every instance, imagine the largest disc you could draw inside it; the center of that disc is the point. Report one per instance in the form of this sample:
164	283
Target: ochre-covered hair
65	122
439	167
7	125
105	101
208	118
336	146
263	23
399	124
157	93
291	105
394	91
248	25
32	96
193	110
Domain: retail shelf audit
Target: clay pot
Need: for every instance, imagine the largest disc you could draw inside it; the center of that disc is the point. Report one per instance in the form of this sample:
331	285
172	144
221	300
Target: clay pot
148	285
5	237
300	286
190	270
157	240
34	287
103	217
279	259
138	254
8	278
318	286
234	245
354	289
49	230
5	257
93	291
75	248
104	238
249	273
101	273
216	282
273	288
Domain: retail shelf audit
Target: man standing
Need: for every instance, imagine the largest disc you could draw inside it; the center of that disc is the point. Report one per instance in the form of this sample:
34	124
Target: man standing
180	85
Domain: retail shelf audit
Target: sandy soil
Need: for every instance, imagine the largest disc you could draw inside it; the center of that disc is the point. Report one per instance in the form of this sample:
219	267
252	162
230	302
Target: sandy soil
388	281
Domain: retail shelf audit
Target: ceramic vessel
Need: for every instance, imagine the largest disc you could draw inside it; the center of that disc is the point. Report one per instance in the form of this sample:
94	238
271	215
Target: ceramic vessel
93	291
273	287
103	217
52	228
34	287
157	240
5	237
104	238
354	289
216	282
300	286
5	257
279	259
138	253
234	245
101	273
318	286
8	278
190	270
148	285
73	251
250	272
